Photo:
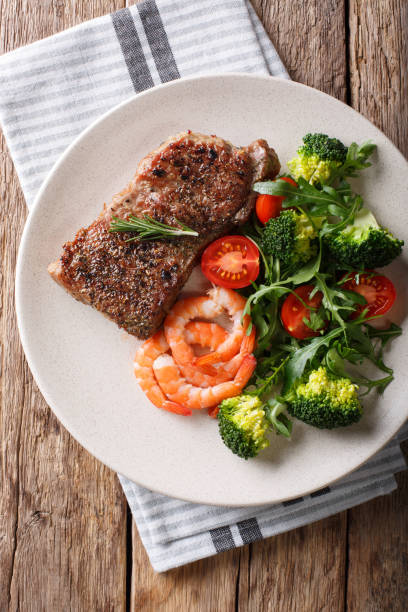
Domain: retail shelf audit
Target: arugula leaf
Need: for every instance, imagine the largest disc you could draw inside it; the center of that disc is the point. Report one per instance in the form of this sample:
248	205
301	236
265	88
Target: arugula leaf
385	335
279	288
360	347
335	300
307	272
299	359
268	364
277	187
345	220
263	290
268	374
265	320
327	199
360	341
356	159
336	365
344	188
316	320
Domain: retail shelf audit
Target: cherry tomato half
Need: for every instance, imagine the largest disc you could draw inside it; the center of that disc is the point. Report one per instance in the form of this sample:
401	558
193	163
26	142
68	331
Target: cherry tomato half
269	206
293	312
378	291
231	262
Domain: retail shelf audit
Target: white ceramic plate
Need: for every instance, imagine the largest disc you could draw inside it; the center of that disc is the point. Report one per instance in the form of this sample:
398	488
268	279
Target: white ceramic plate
83	363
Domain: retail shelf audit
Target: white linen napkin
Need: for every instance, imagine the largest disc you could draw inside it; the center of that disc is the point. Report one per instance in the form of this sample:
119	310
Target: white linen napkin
53	89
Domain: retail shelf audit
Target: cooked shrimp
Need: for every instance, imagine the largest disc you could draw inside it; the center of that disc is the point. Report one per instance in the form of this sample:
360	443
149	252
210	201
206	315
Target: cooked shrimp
142	365
234	304
174	326
177	389
212	335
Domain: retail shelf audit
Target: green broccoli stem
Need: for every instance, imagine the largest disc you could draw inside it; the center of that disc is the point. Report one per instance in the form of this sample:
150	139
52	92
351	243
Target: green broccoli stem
263	256
275	413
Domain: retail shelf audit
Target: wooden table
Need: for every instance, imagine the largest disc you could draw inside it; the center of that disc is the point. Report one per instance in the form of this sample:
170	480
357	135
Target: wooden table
67	540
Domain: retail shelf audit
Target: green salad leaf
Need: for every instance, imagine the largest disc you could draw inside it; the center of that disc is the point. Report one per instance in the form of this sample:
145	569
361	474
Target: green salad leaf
298	361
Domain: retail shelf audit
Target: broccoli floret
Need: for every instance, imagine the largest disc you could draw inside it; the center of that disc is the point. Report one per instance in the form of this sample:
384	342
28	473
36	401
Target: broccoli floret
291	238
326	148
243	425
324	401
318	158
363	244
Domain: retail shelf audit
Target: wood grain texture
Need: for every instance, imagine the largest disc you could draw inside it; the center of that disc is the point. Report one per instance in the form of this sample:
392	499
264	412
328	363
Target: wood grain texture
378	65
62	513
378	531
310	37
378	553
300	571
204	586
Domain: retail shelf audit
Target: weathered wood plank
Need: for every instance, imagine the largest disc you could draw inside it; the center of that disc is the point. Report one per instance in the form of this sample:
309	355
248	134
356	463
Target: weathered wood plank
300	571
378	541
378	65
62	514
12	376
310	39
207	585
378	553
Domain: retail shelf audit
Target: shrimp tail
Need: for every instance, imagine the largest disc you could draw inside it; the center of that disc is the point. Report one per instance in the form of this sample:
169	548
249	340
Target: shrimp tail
205	360
248	342
213	411
207	369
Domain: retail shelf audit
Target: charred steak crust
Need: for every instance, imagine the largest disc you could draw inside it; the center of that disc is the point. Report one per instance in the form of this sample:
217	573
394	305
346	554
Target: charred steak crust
203	181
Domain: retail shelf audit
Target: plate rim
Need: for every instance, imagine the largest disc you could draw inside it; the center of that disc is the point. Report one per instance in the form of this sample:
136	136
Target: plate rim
26	231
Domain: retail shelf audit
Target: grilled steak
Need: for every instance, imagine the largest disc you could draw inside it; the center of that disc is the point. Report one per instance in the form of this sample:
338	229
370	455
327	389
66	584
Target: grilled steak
203	181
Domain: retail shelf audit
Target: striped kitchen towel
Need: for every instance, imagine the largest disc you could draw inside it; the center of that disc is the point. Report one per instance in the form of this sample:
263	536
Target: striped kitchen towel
53	89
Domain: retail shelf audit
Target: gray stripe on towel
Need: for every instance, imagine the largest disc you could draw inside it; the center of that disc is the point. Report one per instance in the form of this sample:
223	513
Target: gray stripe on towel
158	41
132	50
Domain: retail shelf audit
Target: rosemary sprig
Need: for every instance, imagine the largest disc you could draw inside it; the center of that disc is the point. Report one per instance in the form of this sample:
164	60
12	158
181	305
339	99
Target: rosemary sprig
148	228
